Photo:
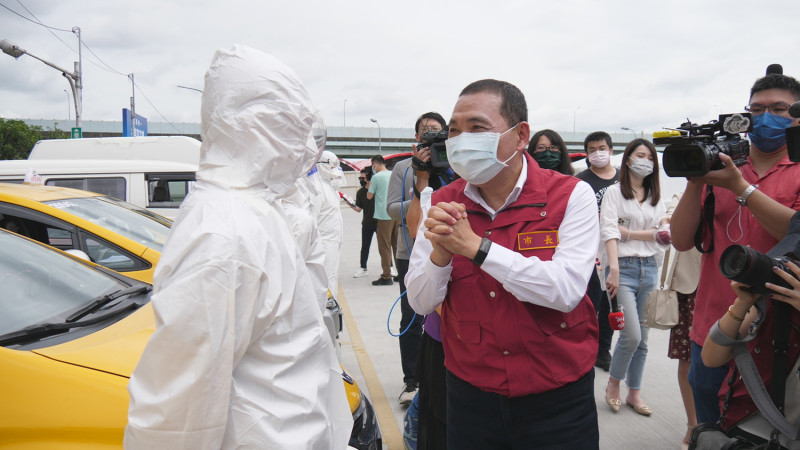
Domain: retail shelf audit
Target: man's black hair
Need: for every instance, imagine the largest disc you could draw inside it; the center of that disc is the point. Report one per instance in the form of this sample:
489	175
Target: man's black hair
513	107
378	159
597	136
777	81
367	171
430	115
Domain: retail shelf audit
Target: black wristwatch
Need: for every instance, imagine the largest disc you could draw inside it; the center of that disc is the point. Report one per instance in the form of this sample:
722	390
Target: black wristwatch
483	250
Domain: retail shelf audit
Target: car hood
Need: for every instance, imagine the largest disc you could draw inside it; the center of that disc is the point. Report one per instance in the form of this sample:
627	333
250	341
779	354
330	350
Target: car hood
115	349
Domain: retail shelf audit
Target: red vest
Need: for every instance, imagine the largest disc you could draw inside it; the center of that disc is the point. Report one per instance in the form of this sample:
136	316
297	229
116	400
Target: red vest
491	339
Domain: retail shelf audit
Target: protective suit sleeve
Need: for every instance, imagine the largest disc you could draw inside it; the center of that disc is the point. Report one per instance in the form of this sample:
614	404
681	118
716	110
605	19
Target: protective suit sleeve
181	387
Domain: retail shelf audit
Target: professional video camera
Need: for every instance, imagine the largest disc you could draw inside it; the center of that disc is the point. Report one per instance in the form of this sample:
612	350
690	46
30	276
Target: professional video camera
695	151
435	140
753	268
793	135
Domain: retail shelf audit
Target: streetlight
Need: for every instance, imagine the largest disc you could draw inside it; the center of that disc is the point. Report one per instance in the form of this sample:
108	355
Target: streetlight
573	118
190	88
628	129
380	151
69	116
74	78
344	114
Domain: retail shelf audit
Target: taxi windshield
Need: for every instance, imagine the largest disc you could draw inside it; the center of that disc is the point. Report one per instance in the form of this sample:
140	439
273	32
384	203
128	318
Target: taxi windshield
122	218
40	283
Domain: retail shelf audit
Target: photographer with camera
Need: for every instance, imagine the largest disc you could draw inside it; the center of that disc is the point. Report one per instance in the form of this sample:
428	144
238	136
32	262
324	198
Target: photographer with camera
407	178
752	205
773	328
421	353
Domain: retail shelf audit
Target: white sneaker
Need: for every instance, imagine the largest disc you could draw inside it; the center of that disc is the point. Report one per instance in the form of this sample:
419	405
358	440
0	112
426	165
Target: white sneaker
360	273
408	393
393	272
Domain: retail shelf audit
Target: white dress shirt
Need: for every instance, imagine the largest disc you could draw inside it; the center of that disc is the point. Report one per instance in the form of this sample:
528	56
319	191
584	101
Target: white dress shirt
558	284
617	210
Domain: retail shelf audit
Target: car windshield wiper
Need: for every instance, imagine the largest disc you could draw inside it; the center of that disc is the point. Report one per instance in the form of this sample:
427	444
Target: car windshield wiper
103	300
47	329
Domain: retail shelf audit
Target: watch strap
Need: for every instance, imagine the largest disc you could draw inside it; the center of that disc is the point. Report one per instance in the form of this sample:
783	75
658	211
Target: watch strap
483	251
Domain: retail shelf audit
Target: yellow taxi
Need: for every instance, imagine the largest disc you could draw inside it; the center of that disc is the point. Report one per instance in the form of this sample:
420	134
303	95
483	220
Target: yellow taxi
111	232
71	332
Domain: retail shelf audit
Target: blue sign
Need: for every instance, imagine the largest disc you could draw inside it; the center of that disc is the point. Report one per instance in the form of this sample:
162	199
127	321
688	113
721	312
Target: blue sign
137	128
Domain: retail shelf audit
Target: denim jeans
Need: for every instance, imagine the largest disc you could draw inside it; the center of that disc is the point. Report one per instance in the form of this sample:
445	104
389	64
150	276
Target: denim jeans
637	278
705	382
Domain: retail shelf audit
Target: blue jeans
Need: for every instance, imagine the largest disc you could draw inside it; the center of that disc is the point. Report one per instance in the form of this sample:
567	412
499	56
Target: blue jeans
705	382
637	278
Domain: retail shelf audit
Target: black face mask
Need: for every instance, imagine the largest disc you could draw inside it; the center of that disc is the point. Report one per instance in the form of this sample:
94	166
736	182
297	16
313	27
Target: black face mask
363	182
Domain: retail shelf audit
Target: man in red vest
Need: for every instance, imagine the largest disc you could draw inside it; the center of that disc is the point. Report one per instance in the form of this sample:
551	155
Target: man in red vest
507	252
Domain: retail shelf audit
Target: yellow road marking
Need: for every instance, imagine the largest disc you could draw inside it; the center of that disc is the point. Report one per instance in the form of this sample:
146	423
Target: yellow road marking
392	436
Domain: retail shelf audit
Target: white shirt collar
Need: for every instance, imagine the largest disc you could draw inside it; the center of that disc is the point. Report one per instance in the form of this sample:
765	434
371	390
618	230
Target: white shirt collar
472	192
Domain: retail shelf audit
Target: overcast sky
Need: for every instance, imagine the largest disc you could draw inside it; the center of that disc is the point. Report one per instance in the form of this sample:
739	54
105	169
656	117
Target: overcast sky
586	64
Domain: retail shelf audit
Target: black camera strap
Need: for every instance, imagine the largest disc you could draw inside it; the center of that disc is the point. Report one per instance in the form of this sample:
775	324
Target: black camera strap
780	357
706	222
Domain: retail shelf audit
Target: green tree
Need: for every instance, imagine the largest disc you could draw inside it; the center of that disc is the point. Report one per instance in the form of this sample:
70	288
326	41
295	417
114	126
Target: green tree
17	138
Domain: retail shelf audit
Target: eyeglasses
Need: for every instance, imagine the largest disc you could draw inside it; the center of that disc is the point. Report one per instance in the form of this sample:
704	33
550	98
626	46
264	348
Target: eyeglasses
775	108
542	148
429	129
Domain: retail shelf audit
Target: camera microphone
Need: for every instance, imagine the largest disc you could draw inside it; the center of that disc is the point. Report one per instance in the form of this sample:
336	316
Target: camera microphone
794	110
774	68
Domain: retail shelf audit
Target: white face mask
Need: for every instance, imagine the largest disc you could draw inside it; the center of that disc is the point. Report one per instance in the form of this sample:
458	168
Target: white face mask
641	167
599	158
473	156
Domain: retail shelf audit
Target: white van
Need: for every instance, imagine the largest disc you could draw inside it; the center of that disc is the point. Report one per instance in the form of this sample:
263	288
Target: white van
156	148
159	186
153	172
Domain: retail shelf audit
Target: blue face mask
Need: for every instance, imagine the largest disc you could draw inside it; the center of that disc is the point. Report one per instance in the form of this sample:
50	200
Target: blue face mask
769	132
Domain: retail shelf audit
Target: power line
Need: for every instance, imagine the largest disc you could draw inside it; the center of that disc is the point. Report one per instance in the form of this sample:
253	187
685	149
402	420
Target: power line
154	107
29	20
107	67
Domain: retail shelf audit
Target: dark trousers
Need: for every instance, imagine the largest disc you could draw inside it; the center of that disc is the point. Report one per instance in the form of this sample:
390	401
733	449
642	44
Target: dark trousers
564	418
705	382
599	298
432	428
367	230
410	341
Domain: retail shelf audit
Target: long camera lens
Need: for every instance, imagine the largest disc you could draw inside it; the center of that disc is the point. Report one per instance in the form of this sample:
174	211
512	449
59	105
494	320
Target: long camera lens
750	267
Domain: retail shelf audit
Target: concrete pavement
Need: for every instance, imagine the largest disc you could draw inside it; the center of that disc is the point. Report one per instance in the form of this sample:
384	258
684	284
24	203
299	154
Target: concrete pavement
372	356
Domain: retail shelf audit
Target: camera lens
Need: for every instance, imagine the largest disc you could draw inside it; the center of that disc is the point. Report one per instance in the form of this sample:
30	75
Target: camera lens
734	261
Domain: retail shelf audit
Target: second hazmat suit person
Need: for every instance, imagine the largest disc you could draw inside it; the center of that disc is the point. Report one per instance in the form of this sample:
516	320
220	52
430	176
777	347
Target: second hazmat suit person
240	357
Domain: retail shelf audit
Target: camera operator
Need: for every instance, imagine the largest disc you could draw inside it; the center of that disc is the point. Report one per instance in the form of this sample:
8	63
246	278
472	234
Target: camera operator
754	204
401	194
738	320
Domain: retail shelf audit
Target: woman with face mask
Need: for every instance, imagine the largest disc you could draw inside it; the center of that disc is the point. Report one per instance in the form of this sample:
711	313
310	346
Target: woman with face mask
550	152
631	219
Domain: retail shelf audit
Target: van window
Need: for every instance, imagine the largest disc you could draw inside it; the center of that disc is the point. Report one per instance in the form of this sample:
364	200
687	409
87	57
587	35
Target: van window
112	187
168	190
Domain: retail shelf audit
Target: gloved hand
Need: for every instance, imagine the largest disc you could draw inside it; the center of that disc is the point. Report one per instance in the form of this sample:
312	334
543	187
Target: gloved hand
663	235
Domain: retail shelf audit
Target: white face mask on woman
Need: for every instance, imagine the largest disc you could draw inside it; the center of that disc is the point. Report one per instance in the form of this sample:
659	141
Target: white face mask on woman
641	167
473	156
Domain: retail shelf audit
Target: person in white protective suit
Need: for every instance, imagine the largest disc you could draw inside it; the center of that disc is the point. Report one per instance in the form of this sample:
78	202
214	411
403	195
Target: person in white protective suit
330	216
240	357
